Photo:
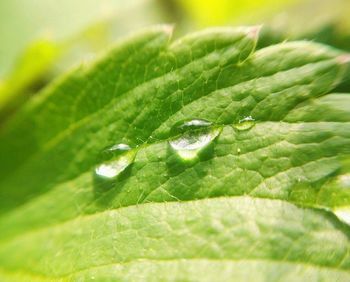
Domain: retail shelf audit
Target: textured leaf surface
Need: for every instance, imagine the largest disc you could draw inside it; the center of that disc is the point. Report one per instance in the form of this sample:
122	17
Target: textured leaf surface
257	199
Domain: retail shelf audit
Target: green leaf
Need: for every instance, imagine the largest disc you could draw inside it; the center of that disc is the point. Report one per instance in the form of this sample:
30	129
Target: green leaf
32	66
246	180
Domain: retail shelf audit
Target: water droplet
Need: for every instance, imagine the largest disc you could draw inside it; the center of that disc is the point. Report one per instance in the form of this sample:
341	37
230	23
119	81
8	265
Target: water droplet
239	150
120	147
114	167
245	123
343	214
196	134
114	160
113	151
188	125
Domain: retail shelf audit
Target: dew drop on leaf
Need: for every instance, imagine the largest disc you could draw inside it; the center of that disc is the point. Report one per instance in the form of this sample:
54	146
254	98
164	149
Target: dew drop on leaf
115	159
113	168
245	123
113	151
190	125
195	135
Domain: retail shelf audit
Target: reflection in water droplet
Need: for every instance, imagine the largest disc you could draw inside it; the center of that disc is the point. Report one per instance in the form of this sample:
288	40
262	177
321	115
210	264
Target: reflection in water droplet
113	168
343	214
245	123
193	124
196	135
115	159
120	147
113	151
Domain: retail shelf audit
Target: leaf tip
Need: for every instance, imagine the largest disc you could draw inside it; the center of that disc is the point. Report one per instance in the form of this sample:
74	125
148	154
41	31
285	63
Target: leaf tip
253	32
343	59
168	29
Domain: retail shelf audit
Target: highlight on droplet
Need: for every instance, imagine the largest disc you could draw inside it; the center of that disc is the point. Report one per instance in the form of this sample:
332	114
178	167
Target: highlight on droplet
195	135
115	159
244	124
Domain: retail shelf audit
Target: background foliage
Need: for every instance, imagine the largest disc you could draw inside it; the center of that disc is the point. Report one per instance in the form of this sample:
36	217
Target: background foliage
229	147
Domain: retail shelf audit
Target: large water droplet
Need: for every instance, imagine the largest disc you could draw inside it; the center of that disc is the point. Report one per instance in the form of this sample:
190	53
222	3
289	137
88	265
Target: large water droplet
196	135
115	159
245	123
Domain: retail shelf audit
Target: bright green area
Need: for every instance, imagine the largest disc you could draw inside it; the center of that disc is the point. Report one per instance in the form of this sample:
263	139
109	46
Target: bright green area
22	22
38	43
34	64
255	204
208	13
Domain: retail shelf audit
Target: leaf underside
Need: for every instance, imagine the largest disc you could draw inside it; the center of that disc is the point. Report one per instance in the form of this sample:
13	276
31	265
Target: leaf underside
255	205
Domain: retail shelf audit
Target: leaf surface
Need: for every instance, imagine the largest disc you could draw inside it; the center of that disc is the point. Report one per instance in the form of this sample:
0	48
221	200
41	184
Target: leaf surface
259	198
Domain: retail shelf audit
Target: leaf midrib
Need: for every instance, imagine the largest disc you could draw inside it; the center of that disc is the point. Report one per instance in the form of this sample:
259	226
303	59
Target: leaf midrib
85	207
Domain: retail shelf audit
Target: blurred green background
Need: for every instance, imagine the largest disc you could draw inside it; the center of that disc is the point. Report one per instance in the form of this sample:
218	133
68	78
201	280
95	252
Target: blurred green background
41	39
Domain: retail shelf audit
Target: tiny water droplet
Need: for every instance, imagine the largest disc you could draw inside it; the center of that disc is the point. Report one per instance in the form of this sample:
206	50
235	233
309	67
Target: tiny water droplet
239	150
245	123
196	134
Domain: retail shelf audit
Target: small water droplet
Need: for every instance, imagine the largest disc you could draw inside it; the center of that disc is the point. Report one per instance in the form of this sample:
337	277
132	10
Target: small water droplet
343	214
196	134
245	123
113	151
188	125
120	147
114	167
239	150
114	160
